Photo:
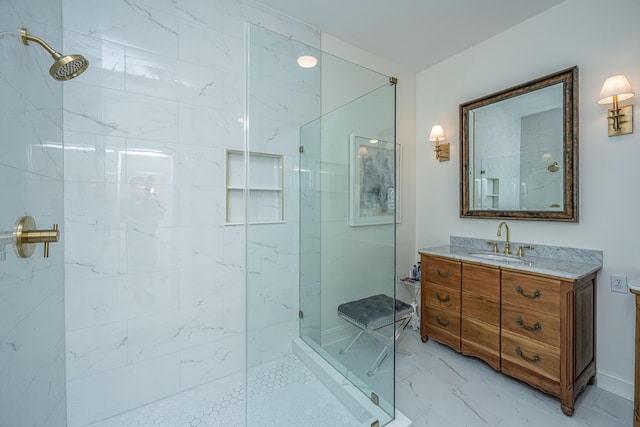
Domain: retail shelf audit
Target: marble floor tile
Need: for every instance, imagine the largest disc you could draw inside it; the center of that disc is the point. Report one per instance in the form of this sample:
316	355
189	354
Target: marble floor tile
436	386
281	393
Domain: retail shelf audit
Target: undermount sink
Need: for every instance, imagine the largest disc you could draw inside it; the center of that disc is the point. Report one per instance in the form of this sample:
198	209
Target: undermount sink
492	256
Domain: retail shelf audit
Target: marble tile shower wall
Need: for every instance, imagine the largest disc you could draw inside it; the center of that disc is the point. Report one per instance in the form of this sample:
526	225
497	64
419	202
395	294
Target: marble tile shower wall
32	383
154	278
282	99
539	185
501	159
525	182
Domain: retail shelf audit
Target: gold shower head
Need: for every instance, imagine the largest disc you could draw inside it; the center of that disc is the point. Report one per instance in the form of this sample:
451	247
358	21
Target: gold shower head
64	67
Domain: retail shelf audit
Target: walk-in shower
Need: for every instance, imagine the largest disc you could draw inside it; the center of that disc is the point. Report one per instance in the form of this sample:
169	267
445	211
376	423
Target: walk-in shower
202	257
64	67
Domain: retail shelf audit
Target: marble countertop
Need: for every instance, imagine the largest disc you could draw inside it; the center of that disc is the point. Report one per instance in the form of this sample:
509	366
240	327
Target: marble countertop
565	268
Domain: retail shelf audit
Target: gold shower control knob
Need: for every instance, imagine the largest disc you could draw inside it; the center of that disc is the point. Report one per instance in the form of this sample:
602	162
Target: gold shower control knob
27	236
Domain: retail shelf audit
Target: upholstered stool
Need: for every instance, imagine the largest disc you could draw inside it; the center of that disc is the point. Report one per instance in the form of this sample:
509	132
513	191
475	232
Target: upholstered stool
372	313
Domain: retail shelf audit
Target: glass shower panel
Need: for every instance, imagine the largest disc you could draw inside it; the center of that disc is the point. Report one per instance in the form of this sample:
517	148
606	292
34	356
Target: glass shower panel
32	352
281	97
290	262
333	125
310	228
347	247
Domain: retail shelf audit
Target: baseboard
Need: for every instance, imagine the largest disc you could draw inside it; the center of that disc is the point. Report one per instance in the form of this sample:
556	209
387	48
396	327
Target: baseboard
614	385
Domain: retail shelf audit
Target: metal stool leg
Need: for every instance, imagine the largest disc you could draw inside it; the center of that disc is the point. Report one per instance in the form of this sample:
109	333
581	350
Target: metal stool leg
353	341
376	365
403	322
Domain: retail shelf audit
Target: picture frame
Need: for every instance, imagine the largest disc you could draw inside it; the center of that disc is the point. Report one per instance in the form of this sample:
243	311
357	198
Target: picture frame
374	181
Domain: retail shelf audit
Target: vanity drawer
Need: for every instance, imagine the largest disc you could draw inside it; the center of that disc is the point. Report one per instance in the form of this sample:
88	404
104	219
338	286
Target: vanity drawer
531	324
531	292
481	280
480	307
441	296
442	325
441	271
535	357
481	339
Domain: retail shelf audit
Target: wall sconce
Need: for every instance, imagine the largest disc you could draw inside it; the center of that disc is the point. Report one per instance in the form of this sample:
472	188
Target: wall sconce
617	88
442	150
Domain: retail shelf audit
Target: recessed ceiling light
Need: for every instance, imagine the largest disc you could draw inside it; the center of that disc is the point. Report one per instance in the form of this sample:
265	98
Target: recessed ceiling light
307	61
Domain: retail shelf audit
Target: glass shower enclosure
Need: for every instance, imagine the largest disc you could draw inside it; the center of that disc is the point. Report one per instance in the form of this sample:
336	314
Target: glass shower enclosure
314	193
32	318
320	225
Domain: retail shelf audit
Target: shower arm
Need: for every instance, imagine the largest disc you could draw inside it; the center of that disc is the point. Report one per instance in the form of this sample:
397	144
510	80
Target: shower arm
26	37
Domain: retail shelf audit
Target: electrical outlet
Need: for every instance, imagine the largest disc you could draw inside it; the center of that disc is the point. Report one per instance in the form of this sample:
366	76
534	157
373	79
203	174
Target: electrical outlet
619	283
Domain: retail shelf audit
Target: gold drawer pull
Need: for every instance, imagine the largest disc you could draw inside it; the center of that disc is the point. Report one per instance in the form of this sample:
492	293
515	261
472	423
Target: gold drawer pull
445	324
536	294
536	327
445	275
446	299
535	359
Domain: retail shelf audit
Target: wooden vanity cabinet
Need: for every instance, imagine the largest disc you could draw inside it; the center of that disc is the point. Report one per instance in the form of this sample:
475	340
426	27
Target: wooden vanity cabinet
537	328
548	333
531	330
440	283
480	312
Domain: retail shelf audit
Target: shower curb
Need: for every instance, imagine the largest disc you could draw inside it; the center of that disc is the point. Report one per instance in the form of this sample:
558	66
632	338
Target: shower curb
351	397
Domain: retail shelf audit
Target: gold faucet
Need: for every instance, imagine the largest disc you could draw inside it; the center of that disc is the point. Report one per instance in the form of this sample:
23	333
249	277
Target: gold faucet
507	245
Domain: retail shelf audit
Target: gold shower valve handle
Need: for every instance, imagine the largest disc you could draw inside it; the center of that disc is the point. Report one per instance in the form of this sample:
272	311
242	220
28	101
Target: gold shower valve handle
27	236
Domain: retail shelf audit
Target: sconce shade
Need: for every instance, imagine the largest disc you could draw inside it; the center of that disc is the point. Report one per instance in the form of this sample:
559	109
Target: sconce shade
615	85
437	133
441	149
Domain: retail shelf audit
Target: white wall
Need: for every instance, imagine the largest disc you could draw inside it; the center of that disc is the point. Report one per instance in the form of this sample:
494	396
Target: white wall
576	32
356	261
406	255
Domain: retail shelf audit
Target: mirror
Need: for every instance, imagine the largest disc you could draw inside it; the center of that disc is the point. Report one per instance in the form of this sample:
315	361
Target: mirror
519	149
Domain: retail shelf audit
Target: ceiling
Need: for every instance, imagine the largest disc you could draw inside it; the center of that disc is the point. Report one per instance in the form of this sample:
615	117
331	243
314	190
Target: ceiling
414	33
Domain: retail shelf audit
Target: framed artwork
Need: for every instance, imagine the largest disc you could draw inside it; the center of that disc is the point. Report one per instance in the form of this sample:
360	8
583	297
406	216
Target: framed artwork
374	185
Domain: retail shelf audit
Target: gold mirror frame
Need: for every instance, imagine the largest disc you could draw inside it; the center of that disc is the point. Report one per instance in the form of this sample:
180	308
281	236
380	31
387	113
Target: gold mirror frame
569	212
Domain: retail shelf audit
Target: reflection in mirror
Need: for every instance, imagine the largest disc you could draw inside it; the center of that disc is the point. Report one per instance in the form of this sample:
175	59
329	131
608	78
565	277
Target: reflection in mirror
517	151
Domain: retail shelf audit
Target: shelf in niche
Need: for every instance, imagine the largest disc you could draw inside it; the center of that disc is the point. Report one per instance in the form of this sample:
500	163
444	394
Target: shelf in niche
256	223
254	189
266	188
491	190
